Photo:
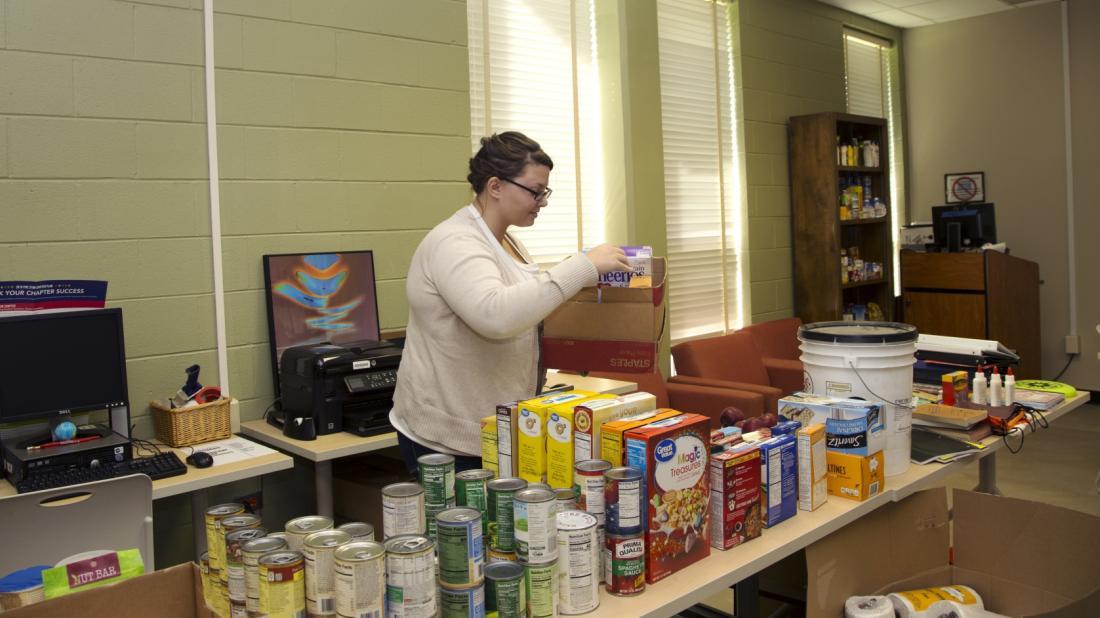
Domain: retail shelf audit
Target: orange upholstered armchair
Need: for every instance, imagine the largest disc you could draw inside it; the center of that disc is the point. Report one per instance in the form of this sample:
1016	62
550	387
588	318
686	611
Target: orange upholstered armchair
700	399
728	361
777	342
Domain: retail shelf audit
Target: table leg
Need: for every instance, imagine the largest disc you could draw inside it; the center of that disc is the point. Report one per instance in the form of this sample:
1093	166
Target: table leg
987	475
322	478
746	597
200	501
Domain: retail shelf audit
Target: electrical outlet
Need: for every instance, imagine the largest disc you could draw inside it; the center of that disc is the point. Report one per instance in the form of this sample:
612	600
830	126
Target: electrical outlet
1073	344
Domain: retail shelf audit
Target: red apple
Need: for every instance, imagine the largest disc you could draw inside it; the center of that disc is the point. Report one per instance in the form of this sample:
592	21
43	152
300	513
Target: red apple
770	419
731	415
753	424
740	425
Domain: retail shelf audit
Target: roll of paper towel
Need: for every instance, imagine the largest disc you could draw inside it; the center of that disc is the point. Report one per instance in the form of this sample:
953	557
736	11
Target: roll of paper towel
918	603
868	607
954	609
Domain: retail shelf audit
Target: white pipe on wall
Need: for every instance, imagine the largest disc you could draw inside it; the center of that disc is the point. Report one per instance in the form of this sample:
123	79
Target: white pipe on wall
215	203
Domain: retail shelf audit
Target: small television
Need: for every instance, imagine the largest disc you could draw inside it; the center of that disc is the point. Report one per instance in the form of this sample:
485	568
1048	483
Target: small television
322	297
61	362
955	224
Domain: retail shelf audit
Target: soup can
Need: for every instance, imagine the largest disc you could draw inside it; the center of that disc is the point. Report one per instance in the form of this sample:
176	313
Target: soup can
460	548
624	560
588	486
298	529
472	490
214	537
402	510
319	550
623	494
463	602
566	498
505	595
234	559
227	525
502	513
251	552
410	577
282	584
359	530
540	583
436	473
536	526
578	562
360	568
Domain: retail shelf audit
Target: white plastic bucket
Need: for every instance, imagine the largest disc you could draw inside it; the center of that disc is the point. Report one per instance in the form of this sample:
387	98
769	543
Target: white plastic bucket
867	360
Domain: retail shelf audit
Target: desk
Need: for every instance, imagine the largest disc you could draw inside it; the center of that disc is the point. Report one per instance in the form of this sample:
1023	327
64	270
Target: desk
196	482
335	445
723	569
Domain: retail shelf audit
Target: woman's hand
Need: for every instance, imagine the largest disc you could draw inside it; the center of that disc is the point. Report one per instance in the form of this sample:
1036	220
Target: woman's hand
607	258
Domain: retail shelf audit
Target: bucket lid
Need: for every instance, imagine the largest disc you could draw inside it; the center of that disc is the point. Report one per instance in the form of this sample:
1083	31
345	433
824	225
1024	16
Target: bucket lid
858	332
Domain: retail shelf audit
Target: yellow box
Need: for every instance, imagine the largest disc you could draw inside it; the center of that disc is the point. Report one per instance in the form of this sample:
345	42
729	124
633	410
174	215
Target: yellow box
489	443
559	441
812	486
590	417
856	477
611	435
531	434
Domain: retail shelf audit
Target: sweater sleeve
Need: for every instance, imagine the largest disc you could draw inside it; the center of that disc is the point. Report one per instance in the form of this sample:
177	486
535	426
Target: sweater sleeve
467	275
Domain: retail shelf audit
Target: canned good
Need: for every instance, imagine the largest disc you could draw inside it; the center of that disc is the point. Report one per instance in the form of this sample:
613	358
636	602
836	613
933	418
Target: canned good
298	529
359	530
410	577
234	559
360	568
462	603
505	596
624	557
280	534
623	495
220	594
536	525
472	490
431	512
402	510
566	498
204	576
319	550
601	534
282	584
588	479
540	582
500	556
237	608
540	486
251	552
436	472
502	513
579	563
214	543
460	548
229	524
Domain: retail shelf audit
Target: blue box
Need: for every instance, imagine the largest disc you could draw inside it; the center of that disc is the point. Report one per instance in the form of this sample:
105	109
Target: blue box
779	479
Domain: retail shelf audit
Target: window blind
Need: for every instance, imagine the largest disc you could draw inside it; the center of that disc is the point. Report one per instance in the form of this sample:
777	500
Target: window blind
863	76
532	70
703	206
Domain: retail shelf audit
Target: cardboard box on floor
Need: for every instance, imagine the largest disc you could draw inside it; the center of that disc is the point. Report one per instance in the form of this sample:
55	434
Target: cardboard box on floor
174	592
608	329
1024	558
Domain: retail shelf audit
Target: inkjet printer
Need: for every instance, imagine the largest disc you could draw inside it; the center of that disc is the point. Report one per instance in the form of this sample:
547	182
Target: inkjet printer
346	387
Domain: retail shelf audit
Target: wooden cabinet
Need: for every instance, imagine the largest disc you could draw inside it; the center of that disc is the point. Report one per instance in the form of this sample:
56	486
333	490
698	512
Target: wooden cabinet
979	295
818	183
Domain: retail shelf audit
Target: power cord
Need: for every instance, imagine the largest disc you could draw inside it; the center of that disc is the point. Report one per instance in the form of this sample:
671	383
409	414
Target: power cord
893	403
1071	357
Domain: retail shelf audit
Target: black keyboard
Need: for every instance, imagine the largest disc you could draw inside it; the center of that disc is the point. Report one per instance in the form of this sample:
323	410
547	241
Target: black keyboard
156	467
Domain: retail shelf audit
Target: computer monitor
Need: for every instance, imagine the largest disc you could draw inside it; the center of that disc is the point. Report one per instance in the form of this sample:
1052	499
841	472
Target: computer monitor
61	362
317	298
974	222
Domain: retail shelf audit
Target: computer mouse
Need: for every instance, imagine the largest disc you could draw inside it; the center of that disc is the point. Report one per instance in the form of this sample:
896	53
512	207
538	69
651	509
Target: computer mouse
200	459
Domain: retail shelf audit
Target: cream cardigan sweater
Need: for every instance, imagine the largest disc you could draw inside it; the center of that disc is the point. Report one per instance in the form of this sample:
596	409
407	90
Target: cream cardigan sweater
471	340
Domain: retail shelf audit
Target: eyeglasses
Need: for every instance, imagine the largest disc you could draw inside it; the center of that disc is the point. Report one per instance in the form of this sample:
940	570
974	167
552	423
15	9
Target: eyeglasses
540	196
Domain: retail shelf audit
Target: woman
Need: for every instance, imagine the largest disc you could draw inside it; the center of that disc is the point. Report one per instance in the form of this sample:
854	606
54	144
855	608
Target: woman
475	302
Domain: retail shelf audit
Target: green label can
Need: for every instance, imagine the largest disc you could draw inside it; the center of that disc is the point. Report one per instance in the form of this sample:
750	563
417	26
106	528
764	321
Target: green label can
463	603
437	476
536	525
472	490
505	595
460	548
502	535
541	585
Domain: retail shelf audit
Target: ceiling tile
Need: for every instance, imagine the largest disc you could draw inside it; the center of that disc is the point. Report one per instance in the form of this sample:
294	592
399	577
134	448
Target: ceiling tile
859	7
901	3
947	10
901	19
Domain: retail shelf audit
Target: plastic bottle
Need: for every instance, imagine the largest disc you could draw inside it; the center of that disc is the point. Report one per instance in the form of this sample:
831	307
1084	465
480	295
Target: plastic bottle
996	389
844	266
978	395
1010	388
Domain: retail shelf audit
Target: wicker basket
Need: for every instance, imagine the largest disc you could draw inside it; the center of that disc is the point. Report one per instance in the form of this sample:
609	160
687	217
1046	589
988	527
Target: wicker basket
192	425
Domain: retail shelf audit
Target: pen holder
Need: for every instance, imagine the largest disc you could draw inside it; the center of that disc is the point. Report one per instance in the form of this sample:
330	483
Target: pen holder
191	425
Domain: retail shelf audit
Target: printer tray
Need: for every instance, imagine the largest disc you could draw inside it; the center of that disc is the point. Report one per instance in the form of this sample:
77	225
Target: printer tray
368	422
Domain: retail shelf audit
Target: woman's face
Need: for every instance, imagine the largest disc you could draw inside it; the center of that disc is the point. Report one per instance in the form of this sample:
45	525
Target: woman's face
519	204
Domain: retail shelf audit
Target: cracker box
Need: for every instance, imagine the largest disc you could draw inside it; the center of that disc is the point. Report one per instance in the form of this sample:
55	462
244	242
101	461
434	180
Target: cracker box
673	456
589	418
611	435
560	430
778	479
856	477
489	443
735	496
531	435
852	425
640	274
507	439
812	487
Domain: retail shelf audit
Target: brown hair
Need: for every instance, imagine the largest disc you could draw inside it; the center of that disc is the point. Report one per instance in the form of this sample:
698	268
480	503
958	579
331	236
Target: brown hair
504	155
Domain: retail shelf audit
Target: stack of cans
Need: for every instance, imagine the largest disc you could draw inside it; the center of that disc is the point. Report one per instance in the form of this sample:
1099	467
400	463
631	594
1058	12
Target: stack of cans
624	549
436	472
461	556
588	484
536	537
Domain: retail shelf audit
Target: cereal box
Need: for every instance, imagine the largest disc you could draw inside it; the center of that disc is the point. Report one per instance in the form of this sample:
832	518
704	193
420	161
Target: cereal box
611	434
673	457
735	496
640	274
531	437
779	479
590	416
489	443
852	425
856	477
812	489
507	439
560	430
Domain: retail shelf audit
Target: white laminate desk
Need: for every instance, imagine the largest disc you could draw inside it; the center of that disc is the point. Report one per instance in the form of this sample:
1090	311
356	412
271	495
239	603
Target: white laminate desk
333	446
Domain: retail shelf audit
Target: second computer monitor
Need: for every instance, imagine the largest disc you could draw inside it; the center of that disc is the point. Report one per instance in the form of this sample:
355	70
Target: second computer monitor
954	225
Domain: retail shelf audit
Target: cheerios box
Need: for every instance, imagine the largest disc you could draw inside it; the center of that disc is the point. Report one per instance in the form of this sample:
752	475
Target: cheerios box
673	455
613	433
560	431
531	417
590	417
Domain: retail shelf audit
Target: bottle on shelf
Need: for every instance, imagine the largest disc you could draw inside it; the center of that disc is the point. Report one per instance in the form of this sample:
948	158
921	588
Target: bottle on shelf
978	394
996	389
1010	388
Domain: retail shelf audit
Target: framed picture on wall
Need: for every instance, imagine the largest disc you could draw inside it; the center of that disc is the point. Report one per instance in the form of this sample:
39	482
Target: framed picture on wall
964	187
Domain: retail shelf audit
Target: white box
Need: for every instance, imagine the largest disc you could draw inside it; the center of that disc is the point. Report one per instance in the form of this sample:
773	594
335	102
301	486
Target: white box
812	486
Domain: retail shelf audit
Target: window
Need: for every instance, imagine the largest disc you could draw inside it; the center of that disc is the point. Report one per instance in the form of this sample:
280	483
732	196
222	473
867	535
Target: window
873	88
703	194
533	70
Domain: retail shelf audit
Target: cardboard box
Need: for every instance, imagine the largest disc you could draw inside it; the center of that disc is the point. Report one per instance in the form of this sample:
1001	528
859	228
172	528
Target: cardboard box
559	442
812	488
611	437
590	417
531	434
507	449
608	329
1024	558
735	496
856	477
778	479
175	592
489	445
